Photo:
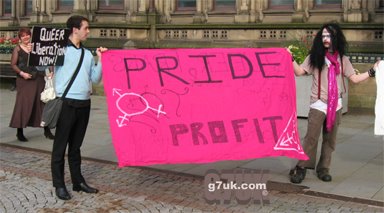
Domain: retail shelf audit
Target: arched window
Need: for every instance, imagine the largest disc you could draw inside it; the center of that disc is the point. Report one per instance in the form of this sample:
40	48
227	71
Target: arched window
381	4
186	5
7	7
28	7
224	5
281	4
328	3
111	4
65	5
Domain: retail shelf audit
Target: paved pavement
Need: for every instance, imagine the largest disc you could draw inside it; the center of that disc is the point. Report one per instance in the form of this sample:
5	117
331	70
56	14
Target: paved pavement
25	186
357	170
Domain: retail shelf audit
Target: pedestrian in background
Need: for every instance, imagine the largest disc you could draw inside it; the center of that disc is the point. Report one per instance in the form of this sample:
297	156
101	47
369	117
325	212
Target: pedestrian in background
329	67
73	120
30	83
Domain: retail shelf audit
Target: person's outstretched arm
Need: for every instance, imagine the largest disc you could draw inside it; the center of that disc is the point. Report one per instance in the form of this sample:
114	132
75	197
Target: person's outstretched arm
364	76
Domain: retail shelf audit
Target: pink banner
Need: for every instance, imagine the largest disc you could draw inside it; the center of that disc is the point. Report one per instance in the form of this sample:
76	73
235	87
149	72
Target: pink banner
201	105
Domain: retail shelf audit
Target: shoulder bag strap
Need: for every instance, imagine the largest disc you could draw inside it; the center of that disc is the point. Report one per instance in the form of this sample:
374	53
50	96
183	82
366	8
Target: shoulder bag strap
74	74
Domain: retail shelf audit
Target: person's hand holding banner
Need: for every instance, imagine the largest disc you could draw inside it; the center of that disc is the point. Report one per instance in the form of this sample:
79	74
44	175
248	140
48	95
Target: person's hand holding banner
100	50
201	105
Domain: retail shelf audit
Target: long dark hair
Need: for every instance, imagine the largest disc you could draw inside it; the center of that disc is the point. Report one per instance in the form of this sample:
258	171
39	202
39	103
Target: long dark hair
339	44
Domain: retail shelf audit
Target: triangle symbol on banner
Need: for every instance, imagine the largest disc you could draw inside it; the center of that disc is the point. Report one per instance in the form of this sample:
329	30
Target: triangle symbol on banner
289	139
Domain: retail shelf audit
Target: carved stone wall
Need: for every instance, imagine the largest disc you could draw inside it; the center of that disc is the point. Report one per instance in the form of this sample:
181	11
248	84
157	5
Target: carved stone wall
161	23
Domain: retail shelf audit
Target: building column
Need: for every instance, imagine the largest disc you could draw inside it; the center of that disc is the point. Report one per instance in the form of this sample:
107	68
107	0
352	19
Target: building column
79	7
90	7
152	17
1	10
365	12
42	15
201	14
48	10
371	9
242	15
301	11
159	6
353	11
127	9
14	15
132	8
259	7
164	10
142	6
253	12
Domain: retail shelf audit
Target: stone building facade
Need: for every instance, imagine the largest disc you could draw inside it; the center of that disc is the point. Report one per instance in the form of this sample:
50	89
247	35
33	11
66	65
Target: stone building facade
210	23
203	23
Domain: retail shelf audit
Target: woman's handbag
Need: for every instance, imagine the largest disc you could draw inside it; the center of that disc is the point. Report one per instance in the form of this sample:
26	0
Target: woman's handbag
33	74
48	93
52	108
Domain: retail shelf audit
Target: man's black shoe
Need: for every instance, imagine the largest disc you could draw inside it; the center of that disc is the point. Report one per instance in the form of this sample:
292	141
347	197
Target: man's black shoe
323	174
62	193
85	188
297	174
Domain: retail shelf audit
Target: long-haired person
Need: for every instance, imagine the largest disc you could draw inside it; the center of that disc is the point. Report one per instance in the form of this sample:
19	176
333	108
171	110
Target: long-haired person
330	68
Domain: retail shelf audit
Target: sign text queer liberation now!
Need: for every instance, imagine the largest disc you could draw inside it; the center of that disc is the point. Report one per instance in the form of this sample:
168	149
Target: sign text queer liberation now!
48	46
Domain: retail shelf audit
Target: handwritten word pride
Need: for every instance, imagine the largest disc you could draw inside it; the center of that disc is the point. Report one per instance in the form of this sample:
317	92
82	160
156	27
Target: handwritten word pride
201	105
164	65
48	46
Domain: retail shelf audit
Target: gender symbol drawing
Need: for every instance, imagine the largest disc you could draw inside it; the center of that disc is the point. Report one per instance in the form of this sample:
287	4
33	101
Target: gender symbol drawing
131	104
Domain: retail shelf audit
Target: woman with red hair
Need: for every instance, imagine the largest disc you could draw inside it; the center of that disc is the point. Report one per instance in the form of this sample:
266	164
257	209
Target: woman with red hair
29	84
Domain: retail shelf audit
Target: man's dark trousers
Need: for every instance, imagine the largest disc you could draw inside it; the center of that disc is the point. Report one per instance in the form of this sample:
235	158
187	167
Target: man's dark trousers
71	127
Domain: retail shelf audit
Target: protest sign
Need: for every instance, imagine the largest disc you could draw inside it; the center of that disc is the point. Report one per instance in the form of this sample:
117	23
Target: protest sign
201	105
48	46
